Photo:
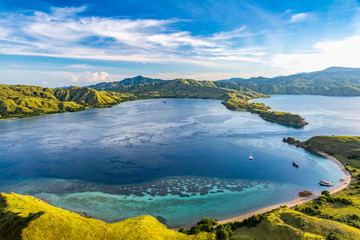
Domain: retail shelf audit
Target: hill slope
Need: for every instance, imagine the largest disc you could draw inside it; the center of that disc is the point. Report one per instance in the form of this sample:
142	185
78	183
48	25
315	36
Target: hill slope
24	100
284	224
25	217
105	86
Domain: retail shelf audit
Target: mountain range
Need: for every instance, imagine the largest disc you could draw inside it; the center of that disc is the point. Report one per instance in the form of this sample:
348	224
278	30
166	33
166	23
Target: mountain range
333	81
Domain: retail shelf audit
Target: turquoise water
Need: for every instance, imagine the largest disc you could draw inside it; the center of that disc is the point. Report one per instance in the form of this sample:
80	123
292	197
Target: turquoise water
150	157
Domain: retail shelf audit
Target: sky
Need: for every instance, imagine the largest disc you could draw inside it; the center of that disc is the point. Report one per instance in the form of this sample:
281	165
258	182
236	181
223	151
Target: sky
61	43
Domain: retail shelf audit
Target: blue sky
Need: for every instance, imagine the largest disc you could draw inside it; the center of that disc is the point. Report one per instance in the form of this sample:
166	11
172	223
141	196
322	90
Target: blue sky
61	43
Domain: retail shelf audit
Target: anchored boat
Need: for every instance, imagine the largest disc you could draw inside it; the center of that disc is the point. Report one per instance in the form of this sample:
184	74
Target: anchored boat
295	164
325	183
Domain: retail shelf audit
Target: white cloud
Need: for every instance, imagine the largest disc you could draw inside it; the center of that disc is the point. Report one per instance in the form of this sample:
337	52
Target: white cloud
299	17
62	33
74	78
100	77
345	52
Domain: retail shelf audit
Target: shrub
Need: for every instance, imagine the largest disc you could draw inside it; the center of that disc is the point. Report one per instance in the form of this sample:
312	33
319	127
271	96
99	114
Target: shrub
253	221
183	230
332	236
353	156
227	227
325	193
222	234
195	230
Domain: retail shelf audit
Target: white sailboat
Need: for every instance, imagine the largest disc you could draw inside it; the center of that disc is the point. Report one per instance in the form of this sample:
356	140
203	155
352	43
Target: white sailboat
250	156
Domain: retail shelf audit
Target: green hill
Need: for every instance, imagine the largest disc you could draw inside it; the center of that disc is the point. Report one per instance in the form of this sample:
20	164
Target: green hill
25	100
106	86
335	81
26	217
284	224
186	88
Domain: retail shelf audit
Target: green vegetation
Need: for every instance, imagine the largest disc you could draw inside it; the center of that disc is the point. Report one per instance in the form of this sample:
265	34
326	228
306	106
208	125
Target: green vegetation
24	101
265	112
113	86
25	217
335	81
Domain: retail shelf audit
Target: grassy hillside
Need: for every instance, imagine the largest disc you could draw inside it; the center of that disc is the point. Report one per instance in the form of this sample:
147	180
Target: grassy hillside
25	217
284	224
24	100
335	81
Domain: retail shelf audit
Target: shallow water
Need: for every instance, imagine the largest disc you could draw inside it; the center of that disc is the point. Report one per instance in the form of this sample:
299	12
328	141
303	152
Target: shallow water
147	157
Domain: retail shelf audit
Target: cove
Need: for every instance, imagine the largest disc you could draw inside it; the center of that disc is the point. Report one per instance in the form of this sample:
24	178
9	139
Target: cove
150	157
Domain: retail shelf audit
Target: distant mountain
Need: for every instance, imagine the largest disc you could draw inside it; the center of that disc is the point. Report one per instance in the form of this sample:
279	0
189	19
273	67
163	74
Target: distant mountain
334	81
111	86
184	88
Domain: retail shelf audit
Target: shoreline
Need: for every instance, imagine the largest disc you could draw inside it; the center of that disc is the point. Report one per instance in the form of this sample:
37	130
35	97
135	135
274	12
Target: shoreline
300	200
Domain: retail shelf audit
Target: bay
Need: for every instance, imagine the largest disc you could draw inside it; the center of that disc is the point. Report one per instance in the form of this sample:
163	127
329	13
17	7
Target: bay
181	160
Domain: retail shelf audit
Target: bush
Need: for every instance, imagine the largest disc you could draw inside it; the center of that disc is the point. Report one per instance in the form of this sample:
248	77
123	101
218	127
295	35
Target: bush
222	234
325	193
353	156
183	230
227	227
195	230
207	221
253	221
332	236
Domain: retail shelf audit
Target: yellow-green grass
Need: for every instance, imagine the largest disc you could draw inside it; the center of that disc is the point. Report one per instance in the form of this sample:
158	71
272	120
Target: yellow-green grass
290	224
51	223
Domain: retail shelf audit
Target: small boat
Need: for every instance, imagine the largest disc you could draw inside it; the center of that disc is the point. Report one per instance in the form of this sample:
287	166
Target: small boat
196	121
250	157
325	183
163	101
295	164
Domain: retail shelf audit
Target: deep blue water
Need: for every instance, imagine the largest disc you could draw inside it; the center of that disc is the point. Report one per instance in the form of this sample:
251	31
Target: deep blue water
150	157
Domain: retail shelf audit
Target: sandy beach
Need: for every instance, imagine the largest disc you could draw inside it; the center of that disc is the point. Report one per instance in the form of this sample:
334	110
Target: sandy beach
301	200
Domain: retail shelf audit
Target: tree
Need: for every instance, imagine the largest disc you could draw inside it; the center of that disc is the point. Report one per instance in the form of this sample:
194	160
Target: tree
222	234
183	230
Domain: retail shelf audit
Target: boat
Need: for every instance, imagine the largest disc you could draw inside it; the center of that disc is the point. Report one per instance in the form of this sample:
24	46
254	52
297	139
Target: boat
250	157
325	183
196	121
295	164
